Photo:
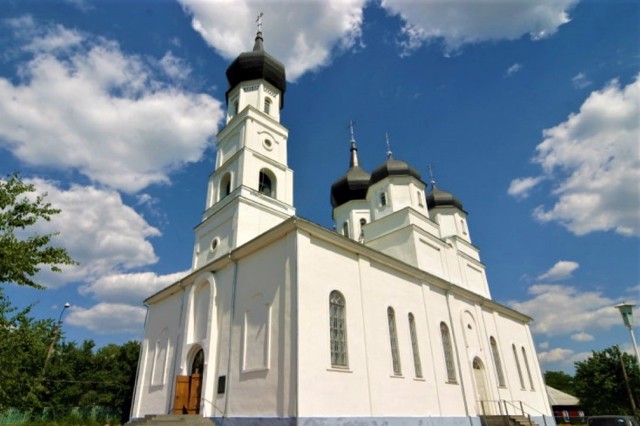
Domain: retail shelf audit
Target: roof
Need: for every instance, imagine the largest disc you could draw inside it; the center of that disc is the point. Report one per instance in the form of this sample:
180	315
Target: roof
310	229
256	65
393	167
557	397
439	198
353	185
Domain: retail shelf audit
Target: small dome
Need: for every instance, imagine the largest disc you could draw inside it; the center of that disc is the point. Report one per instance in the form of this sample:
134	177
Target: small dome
353	185
393	167
439	198
255	65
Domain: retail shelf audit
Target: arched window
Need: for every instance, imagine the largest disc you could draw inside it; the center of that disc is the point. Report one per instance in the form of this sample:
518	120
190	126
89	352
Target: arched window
526	365
417	365
448	352
197	366
393	339
225	185
338	330
497	361
266	183
267	105
515	356
345	229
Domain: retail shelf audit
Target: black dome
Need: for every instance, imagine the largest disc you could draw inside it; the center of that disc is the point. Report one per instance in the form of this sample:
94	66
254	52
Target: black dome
393	167
255	65
353	185
439	198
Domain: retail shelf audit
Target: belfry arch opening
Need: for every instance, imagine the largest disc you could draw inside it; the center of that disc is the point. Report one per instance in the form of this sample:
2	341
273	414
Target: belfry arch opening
267	183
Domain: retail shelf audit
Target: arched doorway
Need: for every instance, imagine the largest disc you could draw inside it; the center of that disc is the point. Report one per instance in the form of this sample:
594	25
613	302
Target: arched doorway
484	405
189	388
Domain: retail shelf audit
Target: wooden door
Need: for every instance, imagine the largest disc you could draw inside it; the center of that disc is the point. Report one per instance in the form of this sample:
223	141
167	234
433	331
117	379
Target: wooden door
181	400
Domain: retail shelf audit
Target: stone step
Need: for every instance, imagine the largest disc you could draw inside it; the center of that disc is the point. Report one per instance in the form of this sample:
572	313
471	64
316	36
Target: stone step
172	420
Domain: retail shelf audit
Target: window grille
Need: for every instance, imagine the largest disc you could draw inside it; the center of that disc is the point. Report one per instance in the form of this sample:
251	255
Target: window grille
393	338
448	352
414	346
338	330
526	365
515	355
497	361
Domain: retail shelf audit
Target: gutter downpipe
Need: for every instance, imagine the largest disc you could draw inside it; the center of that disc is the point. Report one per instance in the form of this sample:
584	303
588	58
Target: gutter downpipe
135	389
231	320
455	342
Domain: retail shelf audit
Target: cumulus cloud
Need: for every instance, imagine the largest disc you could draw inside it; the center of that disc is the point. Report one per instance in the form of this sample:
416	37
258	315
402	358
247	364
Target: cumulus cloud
303	36
560	271
555	355
97	229
107	318
563	310
460	23
81	103
593	161
582	337
520	188
129	288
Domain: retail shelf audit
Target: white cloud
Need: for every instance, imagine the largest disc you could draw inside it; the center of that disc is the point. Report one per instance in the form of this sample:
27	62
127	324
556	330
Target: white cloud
460	23
513	69
81	103
301	35
544	345
521	187
582	337
580	81
560	271
563	310
593	161
129	288
108	318
555	355
97	229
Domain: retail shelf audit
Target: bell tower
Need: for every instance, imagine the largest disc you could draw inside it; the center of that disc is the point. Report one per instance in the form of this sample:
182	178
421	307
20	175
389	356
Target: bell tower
251	189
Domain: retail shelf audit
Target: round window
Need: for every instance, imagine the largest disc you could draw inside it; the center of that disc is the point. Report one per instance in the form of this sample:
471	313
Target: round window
267	144
215	243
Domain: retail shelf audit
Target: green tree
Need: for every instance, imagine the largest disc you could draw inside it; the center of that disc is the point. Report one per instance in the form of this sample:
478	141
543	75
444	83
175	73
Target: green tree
560	380
23	254
23	347
600	382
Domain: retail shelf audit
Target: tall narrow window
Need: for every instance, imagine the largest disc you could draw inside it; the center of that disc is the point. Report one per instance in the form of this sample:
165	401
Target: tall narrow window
526	365
345	229
497	361
338	330
448	352
264	185
235	108
515	355
267	105
383	199
225	185
393	338
417	366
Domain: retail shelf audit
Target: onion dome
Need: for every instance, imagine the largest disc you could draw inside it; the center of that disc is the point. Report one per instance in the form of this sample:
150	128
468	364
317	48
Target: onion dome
256	65
393	167
353	185
439	198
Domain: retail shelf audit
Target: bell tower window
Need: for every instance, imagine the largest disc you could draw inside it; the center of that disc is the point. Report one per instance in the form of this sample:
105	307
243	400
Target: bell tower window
383	199
266	183
225	185
267	105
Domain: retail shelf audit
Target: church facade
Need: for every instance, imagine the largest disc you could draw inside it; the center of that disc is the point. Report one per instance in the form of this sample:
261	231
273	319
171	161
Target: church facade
389	318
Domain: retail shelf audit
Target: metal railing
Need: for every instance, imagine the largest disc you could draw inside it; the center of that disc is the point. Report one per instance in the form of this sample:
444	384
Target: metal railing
507	409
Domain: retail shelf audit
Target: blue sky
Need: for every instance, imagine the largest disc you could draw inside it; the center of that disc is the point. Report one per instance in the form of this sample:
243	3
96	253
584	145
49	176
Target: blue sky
527	111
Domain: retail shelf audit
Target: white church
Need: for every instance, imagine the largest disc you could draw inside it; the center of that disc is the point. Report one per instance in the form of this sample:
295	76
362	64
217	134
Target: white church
386	320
